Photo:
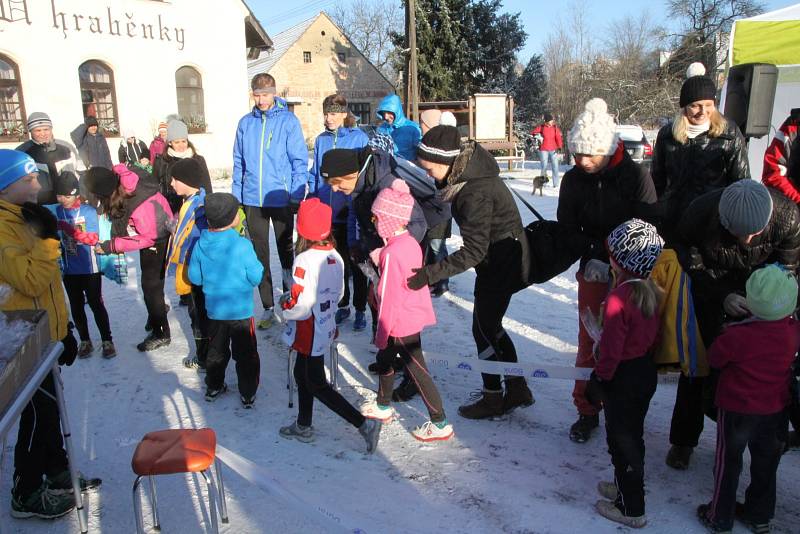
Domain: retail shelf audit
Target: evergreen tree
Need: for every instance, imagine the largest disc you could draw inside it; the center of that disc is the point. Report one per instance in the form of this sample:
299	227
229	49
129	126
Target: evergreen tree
530	94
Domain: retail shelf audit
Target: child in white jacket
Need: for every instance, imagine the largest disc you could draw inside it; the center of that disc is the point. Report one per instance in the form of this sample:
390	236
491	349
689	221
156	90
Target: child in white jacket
318	284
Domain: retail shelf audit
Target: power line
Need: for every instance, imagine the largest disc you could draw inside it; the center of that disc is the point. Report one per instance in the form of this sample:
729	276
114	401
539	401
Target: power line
314	5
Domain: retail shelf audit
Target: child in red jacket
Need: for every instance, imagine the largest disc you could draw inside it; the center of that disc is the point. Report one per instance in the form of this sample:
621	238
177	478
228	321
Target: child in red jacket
625	375
402	313
754	357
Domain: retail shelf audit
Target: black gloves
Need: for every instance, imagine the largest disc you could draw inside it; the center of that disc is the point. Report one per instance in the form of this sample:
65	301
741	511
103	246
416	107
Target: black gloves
357	254
595	391
70	348
419	280
41	221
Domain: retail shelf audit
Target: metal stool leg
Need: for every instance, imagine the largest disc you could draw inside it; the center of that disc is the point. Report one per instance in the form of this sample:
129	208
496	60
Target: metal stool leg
154	503
137	506
212	500
223	507
335	366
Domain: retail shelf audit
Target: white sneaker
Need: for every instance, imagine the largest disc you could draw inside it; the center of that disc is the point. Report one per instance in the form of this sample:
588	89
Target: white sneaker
267	319
607	490
373	410
430	431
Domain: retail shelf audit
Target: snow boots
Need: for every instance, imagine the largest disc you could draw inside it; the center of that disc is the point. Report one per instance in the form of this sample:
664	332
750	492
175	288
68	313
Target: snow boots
489	405
518	395
678	457
581	430
610	511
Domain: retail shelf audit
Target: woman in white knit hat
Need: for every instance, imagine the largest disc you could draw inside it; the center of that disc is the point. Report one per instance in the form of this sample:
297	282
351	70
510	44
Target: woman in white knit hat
604	189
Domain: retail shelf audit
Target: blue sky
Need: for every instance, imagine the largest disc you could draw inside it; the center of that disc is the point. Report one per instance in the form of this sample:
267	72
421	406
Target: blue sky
537	15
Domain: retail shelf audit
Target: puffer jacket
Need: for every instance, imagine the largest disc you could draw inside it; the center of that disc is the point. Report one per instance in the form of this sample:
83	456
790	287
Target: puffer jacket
162	171
132	152
328	140
52	159
717	263
378	173
146	217
489	221
595	204
681	173
29	266
270	158
405	132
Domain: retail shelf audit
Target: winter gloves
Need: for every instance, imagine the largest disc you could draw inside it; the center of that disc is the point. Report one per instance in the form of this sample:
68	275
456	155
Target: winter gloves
596	271
70	348
41	221
419	280
85	238
595	391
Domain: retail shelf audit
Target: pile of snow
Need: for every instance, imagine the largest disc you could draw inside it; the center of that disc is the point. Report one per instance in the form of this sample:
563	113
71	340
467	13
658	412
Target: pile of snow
521	474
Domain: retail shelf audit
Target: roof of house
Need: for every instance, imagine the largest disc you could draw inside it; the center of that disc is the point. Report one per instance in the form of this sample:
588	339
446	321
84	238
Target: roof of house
255	36
280	45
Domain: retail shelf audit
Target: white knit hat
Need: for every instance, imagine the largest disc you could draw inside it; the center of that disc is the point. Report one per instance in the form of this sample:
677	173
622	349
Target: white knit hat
594	132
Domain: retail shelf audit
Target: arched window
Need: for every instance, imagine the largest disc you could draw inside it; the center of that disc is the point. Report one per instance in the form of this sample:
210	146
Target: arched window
12	108
98	97
189	85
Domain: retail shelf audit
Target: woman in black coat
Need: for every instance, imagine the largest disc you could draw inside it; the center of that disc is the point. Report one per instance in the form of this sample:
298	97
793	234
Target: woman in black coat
492	232
604	189
178	147
133	150
698	152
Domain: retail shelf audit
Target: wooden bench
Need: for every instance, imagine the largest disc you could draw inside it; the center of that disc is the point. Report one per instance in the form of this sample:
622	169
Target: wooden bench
516	154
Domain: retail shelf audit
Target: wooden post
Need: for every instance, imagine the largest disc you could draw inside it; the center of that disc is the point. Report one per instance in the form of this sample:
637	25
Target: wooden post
412	45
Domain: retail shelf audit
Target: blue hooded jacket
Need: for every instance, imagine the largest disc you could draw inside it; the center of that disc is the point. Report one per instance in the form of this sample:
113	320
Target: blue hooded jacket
227	285
270	158
327	140
405	132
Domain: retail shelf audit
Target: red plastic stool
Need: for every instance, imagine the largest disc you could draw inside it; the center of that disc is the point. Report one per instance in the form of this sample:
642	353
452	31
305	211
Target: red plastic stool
167	452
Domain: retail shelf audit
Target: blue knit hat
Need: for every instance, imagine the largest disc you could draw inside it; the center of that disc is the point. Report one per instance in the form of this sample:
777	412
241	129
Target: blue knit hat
13	166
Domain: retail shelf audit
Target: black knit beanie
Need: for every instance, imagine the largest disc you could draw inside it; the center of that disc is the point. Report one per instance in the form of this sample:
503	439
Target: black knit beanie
441	144
188	171
339	162
101	181
697	86
220	209
67	184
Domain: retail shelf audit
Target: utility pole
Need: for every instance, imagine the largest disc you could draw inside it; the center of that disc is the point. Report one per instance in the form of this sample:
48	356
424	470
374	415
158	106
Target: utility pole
412	84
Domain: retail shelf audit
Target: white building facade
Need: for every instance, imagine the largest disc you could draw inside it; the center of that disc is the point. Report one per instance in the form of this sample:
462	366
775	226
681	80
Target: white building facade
129	63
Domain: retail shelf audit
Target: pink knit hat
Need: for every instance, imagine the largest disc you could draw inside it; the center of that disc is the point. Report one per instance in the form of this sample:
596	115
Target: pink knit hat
392	208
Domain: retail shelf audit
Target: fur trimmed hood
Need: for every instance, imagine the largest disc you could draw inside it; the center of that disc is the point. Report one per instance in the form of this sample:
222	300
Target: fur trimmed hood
473	163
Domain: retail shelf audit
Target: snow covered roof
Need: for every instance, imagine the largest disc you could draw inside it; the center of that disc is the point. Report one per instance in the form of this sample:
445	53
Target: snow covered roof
280	45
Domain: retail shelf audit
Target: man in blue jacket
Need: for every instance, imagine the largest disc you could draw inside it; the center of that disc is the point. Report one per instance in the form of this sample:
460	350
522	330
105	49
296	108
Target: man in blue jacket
405	132
270	178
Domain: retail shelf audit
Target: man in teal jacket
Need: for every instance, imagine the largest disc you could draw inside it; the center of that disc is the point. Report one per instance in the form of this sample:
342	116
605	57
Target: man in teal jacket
405	132
270	178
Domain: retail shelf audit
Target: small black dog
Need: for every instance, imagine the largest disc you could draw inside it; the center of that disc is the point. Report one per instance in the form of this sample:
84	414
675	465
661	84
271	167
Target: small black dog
538	183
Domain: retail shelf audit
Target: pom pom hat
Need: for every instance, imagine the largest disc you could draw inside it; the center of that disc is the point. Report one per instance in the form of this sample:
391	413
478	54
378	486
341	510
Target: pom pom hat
594	132
314	220
392	208
697	86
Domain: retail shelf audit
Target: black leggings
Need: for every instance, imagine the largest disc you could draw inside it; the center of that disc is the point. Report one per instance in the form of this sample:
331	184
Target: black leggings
258	220
89	286
152	263
40	445
309	373
350	269
492	341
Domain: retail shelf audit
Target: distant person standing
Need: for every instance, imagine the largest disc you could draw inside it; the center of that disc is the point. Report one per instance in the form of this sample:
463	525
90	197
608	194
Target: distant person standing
159	143
132	150
52	156
270	178
550	143
405	132
91	144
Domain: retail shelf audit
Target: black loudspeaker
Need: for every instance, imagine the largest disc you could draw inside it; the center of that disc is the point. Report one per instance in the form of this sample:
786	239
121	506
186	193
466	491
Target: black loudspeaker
750	97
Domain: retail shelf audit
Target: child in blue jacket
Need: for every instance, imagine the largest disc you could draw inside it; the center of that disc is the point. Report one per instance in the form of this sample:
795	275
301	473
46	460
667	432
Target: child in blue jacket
225	265
79	231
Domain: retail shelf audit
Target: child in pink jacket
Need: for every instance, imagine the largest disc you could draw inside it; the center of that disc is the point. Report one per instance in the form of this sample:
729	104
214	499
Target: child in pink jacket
140	220
402	313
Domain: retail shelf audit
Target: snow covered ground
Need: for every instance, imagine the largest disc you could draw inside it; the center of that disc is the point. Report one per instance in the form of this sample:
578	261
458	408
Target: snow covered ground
520	475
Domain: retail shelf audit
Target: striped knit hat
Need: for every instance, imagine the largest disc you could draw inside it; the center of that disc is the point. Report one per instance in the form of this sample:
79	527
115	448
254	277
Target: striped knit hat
441	144
37	119
392	208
